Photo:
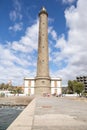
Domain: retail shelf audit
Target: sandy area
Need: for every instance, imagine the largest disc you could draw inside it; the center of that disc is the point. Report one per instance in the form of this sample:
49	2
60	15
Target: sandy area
16	100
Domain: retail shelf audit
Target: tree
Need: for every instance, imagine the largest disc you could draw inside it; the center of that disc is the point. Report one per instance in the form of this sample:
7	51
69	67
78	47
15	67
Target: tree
12	89
2	86
16	90
70	87
78	87
74	86
64	90
19	90
6	86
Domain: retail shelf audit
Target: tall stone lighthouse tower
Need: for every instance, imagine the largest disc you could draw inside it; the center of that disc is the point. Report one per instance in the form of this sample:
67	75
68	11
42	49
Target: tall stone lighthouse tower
42	79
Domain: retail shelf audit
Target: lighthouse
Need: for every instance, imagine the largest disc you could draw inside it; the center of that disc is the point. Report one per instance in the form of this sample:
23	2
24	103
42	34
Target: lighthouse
42	79
42	83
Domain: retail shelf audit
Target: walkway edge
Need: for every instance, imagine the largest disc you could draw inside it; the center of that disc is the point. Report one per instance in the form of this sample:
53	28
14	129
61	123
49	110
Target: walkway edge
25	120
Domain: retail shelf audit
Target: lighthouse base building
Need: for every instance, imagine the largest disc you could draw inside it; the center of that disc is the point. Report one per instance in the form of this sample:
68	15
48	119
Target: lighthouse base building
56	86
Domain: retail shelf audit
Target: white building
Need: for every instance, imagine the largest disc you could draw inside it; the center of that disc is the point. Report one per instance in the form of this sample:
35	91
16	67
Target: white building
56	86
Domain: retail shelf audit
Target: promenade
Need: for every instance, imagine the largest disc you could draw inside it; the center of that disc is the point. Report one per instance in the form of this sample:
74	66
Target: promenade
52	113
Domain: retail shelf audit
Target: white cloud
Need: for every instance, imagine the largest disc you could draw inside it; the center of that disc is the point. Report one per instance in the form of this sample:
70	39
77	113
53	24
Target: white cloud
74	50
18	58
53	33
14	66
68	1
13	15
16	13
16	27
50	20
27	43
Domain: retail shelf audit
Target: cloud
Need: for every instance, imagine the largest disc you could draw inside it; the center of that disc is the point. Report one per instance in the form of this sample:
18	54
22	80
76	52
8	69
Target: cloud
72	52
15	16
12	66
16	12
16	27
68	1
28	42
18	58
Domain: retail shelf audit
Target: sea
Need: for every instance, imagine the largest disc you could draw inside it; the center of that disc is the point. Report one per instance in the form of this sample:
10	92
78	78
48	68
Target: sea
8	115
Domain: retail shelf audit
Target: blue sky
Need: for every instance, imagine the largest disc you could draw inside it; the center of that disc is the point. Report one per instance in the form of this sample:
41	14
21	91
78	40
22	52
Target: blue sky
67	33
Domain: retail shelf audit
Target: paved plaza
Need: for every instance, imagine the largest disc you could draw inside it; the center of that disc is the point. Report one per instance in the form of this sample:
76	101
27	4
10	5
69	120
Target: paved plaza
60	114
52	113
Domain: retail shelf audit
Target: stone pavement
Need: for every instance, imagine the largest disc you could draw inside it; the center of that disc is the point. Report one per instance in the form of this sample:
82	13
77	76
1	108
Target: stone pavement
60	114
55	113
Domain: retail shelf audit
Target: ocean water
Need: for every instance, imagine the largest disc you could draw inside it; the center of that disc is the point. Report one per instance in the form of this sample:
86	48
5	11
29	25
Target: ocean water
8	115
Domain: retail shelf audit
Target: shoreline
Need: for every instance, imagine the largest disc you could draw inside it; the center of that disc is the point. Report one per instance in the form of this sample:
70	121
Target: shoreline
15	101
12	105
